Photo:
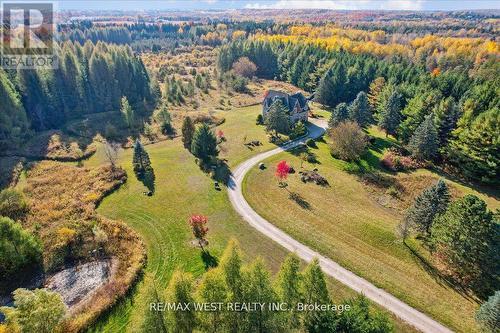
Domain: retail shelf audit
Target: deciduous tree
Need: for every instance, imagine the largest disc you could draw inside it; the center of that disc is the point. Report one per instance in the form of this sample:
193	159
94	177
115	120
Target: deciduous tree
199	228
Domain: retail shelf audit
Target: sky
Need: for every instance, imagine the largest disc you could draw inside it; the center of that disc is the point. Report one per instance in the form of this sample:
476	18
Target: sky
279	4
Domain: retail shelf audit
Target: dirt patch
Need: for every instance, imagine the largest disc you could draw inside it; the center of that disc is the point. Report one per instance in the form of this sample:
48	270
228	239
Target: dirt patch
78	283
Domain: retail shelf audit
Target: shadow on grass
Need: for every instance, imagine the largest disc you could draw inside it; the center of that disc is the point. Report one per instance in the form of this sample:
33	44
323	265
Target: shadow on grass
209	260
299	200
441	278
148	180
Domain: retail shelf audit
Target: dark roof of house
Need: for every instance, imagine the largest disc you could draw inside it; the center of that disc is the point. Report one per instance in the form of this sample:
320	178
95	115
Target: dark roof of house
288	100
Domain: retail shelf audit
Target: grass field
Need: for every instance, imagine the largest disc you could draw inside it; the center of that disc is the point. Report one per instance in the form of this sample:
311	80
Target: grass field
345	222
181	190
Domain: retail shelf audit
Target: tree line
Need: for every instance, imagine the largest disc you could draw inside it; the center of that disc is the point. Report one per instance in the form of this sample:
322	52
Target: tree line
233	282
462	100
90	78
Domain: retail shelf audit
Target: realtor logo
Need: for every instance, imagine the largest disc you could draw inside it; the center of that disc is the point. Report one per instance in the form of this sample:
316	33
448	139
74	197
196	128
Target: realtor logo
27	39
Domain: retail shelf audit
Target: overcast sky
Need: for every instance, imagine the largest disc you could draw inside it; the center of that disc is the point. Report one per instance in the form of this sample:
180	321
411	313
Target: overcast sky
287	4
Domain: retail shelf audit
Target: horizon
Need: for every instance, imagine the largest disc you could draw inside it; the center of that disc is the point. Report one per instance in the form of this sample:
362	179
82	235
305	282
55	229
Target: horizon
217	5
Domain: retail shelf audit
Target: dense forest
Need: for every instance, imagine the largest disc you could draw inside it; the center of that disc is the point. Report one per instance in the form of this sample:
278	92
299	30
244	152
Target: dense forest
91	78
455	82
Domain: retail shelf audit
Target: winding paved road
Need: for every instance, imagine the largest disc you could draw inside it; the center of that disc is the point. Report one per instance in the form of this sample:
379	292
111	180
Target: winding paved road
330	267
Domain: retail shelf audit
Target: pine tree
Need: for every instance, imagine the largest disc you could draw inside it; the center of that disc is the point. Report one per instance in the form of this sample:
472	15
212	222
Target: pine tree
315	291
488	314
475	149
359	110
430	203
446	115
230	265
424	143
187	132
339	114
466	236
150	320
204	145
213	289
331	87
140	159
180	291
259	289
289	288
374	91
391	115
128	112
276	118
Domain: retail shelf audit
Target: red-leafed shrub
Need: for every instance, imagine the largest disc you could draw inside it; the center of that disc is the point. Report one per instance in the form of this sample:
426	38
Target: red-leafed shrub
199	227
282	170
394	161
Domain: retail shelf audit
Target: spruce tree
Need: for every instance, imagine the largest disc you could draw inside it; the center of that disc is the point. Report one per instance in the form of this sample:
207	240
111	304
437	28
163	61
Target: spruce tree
359	110
424	142
180	291
446	115
430	203
259	289
339	114
488	314
230	265
276	118
390	117
315	291
128	112
204	145
187	132
289	289
140	159
466	236
213	289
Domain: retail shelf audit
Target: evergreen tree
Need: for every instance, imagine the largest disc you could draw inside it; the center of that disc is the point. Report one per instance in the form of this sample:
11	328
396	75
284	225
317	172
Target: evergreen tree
150	320
140	159
446	115
289	289
13	119
180	291
230	265
390	117
359	319
213	289
430	203
332	85
374	91
259	289
339	114
476	150
414	113
315	291
359	110
276	118
165	119
467	237
488	314
204	145
187	132
128	112
424	143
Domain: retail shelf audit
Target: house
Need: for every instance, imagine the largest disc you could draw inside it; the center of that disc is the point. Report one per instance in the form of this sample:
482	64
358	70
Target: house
296	104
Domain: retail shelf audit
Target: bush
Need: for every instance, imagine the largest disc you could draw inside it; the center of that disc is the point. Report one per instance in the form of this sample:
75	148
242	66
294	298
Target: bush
394	161
311	143
244	67
12	204
349	142
259	120
19	250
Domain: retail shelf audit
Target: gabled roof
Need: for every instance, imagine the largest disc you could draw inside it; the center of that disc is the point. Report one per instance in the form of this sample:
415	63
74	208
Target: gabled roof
290	101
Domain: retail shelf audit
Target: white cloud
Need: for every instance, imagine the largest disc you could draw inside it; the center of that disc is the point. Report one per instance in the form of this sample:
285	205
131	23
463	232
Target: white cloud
340	4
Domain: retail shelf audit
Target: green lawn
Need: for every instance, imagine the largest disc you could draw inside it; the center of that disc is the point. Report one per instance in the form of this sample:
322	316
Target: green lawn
345	223
181	190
